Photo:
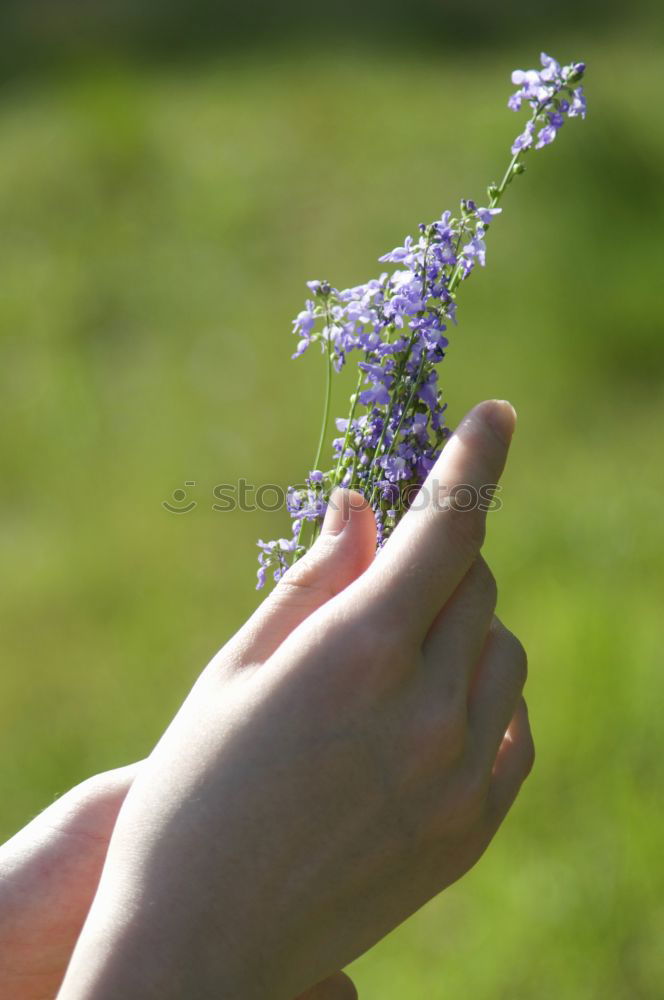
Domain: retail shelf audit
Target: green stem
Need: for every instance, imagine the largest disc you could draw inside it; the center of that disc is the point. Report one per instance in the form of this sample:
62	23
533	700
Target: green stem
498	193
337	471
326	418
328	391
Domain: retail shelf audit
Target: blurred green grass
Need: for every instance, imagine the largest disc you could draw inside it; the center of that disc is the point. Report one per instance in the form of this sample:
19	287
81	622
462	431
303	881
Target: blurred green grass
157	227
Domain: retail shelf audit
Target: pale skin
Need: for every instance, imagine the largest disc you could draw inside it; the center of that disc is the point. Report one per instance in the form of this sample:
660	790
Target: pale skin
349	754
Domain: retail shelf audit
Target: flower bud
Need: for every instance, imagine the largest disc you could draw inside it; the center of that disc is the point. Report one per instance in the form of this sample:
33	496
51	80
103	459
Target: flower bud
322	288
575	72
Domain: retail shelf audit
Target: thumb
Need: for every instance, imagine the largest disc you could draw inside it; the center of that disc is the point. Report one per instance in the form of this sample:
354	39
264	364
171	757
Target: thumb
345	547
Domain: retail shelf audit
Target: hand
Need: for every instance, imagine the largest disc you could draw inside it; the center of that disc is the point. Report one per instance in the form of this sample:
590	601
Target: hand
321	784
49	871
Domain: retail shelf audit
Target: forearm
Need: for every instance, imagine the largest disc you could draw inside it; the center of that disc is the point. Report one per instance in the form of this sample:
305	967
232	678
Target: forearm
133	956
147	935
49	873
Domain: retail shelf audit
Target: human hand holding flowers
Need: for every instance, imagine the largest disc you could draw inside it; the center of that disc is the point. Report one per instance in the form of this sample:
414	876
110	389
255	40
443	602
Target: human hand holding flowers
323	779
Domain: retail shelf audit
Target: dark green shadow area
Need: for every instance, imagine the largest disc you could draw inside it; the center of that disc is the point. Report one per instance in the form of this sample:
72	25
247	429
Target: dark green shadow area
49	34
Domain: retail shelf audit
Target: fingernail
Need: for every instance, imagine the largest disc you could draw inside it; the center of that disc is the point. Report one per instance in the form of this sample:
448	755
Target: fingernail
501	416
337	513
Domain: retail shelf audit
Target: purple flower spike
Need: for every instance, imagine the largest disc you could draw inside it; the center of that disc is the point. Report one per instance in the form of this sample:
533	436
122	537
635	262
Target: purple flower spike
395	325
551	95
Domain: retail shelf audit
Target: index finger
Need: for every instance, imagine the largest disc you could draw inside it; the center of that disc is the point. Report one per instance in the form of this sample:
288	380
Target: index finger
439	538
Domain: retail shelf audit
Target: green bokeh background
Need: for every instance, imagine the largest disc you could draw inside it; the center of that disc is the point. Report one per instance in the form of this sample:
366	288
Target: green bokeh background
159	214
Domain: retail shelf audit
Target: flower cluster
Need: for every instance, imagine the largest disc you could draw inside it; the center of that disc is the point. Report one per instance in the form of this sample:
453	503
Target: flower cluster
553	93
397	325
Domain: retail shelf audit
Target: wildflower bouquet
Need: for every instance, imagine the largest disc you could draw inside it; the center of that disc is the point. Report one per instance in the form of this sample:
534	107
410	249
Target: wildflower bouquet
396	323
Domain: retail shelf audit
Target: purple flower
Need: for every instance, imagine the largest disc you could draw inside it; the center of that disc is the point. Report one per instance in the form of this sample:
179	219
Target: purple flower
545	136
578	106
551	97
475	249
395	467
400	255
444	229
304	321
375	372
525	140
274	556
485	215
428	392
397	424
552	70
303	324
377	394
